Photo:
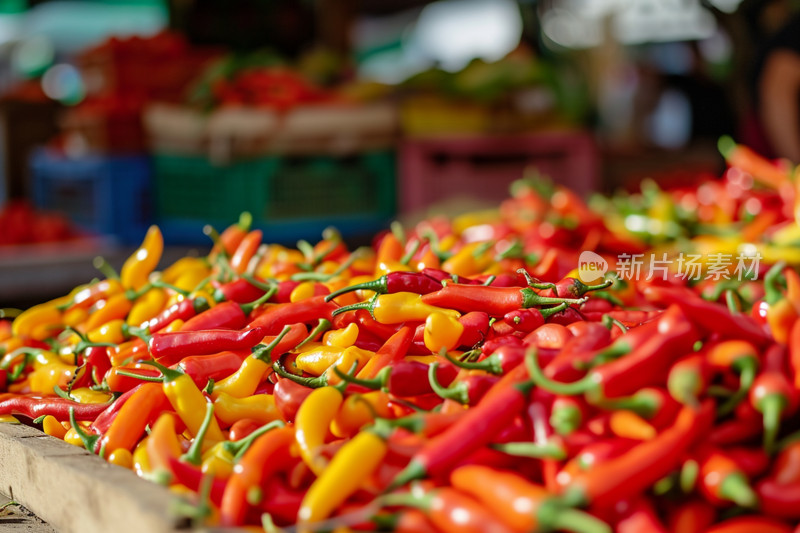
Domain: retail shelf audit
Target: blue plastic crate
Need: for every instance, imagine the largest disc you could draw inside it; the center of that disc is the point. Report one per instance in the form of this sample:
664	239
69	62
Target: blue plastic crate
102	194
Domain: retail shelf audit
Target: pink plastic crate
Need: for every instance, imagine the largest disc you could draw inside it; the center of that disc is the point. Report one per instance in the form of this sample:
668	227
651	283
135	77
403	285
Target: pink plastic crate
435	169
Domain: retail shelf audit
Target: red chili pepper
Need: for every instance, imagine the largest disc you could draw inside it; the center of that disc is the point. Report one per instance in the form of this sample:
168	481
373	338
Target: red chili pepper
642	465
722	481
550	336
476	327
773	395
442	275
644	366
406	379
393	282
566	316
202	368
475	429
270	453
794	353
393	351
240	290
524	320
242	428
450	510
97	363
749	524
227	315
567	414
574	288
467	390
752	461
3	380
501	361
581	349
288	398
778	499
118	379
640	517
496	301
35	406
711	316
183	310
192	478
273	318
230	238
171	347
281	502
693	516
590	455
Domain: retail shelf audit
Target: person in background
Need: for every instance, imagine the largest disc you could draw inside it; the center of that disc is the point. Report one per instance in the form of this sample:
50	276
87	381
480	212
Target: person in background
777	92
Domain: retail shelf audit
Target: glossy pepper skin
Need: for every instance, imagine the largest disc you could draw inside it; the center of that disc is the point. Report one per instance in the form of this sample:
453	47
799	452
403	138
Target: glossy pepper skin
496	301
142	262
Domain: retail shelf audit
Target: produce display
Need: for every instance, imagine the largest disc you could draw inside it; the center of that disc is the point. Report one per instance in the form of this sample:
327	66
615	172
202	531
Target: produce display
508	370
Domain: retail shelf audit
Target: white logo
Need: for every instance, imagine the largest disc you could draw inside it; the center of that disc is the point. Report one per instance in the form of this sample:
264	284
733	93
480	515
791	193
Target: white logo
591	267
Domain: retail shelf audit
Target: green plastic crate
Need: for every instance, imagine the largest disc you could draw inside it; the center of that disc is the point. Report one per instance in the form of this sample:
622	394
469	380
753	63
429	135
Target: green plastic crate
292	197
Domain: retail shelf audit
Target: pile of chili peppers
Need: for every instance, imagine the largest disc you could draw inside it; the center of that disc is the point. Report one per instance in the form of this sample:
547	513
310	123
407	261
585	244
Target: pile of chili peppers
457	375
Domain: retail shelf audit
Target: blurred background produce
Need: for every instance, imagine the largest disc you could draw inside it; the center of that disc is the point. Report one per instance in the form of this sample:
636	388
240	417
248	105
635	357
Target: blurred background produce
351	113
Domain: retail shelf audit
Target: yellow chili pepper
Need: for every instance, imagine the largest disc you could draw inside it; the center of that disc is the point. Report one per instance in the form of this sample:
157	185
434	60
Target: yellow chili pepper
138	267
53	427
384	267
318	359
75	315
87	395
116	307
183	265
442	332
141	463
470	260
218	461
358	410
121	457
190	279
111	332
260	407
398	307
252	371
8	419
347	472
39	321
343	338
49	371
303	291
311	425
189	402
147	306
72	437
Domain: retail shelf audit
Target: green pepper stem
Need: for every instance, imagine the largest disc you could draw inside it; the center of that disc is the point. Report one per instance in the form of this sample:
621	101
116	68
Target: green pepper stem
322	276
581	386
105	268
688	475
239	447
149	379
610	322
414	470
194	455
772	407
535	284
550	311
168	374
748	368
10	312
313	383
378	382
491	364
531	298
247	308
458	392
368	305
736	488
410	253
566	419
164	285
433	242
642	403
89	441
378	286
264	352
771	281
245	221
322	326
578	521
399	233
549	450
